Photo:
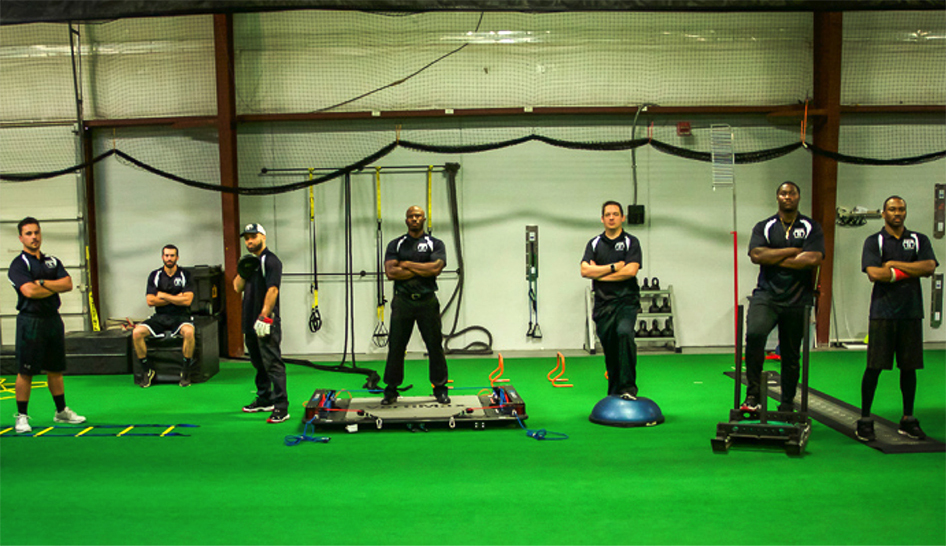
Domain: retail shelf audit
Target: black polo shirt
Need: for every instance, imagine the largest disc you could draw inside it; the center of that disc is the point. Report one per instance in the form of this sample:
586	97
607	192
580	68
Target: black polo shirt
784	285
603	251
423	249
901	300
268	275
26	268
160	281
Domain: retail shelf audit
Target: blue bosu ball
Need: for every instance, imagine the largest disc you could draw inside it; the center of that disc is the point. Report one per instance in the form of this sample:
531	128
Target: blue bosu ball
617	412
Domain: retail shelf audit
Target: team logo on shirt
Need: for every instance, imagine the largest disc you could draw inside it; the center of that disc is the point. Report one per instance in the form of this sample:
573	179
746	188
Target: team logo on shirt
178	281
620	246
799	233
50	262
909	244
423	247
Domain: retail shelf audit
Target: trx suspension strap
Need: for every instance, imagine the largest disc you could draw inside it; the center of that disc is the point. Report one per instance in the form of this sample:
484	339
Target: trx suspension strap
380	336
430	222
315	318
532	275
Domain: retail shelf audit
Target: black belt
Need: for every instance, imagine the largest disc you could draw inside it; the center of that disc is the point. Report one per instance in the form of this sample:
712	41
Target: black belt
415	297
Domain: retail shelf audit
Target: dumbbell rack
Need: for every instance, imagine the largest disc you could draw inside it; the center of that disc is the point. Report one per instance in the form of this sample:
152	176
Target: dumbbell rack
648	297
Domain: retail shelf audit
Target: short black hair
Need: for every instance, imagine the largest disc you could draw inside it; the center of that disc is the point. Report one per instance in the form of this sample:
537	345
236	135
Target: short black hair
893	197
788	182
176	251
615	203
25	222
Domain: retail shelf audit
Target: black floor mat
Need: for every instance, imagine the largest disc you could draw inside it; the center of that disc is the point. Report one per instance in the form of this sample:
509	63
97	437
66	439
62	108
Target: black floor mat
843	417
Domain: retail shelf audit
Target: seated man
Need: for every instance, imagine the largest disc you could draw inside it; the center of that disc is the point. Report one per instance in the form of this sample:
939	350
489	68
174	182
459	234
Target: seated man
170	292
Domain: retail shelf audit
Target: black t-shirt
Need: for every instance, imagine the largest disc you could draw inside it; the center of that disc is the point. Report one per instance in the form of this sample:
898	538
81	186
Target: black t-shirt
268	275
26	268
603	251
782	284
424	249
903	299
160	281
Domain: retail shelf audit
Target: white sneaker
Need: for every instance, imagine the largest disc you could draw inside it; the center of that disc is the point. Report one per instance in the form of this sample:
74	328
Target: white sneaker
68	416
22	423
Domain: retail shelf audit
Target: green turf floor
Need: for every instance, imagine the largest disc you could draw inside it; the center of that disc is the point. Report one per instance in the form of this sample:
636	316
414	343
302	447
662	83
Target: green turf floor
233	481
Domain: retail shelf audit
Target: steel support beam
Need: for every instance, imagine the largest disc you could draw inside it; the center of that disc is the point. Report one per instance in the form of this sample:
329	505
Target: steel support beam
229	202
824	171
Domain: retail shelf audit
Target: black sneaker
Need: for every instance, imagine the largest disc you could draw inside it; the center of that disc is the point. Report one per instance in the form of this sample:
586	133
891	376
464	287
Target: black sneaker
389	398
751	404
257	406
786	407
910	426
186	376
148	375
278	416
865	430
442	397
628	396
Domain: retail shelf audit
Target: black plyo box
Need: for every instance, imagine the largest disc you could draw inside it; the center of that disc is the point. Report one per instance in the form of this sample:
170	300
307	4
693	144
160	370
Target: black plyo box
208	289
95	353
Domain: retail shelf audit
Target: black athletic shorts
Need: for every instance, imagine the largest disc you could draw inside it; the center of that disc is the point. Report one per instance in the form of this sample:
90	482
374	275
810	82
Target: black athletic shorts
159	324
40	344
889	338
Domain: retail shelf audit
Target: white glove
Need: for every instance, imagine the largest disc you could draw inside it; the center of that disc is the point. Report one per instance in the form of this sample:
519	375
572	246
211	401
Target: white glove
262	326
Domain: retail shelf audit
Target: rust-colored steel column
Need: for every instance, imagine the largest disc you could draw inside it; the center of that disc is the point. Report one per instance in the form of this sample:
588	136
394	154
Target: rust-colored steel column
824	171
230	205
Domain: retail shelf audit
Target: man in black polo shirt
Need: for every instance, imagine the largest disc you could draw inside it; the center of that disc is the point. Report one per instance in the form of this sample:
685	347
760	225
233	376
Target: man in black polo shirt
612	260
894	259
170	292
40	334
788	246
262	328
413	261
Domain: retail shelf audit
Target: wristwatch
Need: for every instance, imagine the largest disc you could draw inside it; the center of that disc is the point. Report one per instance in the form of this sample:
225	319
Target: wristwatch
41	282
612	268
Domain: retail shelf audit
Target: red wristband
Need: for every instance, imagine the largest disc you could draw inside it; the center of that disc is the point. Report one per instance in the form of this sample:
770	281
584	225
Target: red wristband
897	275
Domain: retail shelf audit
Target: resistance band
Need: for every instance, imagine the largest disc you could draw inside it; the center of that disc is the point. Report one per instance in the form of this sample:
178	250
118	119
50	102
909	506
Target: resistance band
430	215
315	318
380	336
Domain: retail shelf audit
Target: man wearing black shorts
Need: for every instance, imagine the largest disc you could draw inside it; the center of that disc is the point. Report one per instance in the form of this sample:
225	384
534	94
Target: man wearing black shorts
612	260
40	334
788	247
894	259
413	261
170	292
262	328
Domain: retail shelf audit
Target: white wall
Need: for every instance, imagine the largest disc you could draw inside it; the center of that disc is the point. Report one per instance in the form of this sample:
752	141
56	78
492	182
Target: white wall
686	239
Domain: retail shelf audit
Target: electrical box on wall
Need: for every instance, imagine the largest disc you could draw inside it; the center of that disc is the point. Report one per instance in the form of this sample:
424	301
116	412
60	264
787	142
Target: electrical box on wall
635	215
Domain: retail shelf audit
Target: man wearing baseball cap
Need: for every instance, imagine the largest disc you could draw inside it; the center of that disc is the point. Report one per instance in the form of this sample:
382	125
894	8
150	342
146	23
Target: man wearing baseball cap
258	280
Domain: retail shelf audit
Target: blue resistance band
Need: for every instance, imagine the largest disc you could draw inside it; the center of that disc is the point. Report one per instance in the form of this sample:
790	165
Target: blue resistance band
291	440
541	434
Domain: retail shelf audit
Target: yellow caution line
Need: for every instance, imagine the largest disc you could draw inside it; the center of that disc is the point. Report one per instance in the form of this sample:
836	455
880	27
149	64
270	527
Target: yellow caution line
170	428
126	430
44	431
6	430
84	431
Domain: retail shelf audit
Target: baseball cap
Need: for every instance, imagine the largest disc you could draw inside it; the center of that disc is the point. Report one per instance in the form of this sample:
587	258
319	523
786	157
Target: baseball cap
253	229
